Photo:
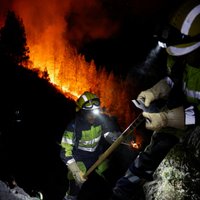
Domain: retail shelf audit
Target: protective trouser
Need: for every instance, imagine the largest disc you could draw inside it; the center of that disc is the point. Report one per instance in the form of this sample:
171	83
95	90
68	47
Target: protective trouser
73	190
143	167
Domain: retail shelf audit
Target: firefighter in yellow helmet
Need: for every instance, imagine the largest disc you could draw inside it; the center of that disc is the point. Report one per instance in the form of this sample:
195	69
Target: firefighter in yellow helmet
181	89
85	138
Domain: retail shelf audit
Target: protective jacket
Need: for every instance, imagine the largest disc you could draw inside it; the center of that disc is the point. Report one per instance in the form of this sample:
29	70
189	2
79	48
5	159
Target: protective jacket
83	141
184	80
181	39
185	83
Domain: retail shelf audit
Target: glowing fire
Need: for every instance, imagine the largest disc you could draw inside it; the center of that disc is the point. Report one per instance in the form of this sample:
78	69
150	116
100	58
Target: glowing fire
48	34
134	145
133	140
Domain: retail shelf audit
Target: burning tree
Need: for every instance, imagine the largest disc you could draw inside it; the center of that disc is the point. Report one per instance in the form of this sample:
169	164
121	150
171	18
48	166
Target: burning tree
56	60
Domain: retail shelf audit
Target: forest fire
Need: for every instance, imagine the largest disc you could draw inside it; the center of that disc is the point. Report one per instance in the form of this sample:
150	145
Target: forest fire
49	32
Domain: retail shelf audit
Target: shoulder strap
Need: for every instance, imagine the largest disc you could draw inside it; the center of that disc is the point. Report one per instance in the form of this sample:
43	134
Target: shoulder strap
76	135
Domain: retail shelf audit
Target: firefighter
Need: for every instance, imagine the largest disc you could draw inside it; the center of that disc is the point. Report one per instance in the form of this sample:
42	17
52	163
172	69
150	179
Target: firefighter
180	89
85	138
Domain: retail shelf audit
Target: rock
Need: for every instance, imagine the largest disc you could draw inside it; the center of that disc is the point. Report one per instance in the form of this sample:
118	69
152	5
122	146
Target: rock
178	175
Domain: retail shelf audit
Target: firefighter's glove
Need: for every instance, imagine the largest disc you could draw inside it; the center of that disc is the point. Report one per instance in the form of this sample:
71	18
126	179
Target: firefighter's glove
171	118
77	173
159	90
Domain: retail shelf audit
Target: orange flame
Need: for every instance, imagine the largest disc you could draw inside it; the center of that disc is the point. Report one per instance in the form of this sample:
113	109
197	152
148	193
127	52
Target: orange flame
134	145
48	38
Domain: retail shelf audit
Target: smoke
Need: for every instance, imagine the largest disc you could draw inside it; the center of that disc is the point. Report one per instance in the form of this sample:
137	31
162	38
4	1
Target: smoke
80	20
52	26
76	21
152	69
88	20
4	6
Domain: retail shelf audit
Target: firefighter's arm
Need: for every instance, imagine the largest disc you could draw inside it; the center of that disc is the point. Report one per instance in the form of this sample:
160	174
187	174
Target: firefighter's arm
159	90
171	118
66	146
67	157
76	172
110	137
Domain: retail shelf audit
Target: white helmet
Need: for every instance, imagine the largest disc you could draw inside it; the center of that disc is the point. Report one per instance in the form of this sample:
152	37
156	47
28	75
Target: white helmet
182	35
88	101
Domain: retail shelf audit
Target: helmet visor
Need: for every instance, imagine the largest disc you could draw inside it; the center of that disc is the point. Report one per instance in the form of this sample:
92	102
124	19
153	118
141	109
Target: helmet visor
91	104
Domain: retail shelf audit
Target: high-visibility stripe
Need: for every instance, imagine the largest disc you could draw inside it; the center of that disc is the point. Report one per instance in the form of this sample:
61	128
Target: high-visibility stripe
169	82
191	93
85	98
92	149
67	140
189	19
90	142
189	115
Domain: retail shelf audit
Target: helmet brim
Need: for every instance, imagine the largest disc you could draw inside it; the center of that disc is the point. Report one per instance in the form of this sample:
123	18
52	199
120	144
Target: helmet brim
182	49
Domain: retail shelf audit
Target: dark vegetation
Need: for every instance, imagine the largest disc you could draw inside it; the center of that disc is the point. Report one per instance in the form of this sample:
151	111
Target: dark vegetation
33	116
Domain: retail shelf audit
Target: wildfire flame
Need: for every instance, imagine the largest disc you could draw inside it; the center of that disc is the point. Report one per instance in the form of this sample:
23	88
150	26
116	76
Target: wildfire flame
48	38
134	145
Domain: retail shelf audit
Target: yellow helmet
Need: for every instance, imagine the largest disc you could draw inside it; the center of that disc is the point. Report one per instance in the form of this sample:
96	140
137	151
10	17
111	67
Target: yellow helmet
182	35
87	101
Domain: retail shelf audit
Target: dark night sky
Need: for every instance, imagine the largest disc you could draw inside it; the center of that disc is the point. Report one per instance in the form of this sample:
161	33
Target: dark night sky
133	41
114	33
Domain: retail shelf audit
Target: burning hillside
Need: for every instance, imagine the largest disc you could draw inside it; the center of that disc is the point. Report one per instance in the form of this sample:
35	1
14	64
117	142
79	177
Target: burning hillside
51	28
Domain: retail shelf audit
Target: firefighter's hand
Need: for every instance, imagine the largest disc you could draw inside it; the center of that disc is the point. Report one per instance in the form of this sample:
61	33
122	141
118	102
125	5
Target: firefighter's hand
146	96
77	173
159	90
170	118
155	121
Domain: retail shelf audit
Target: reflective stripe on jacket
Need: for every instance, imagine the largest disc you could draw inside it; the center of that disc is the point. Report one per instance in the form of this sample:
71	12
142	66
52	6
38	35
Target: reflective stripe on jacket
84	141
88	142
189	79
191	84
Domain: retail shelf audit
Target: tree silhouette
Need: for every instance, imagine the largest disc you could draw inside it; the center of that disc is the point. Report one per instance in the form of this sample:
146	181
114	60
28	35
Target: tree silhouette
13	45
13	53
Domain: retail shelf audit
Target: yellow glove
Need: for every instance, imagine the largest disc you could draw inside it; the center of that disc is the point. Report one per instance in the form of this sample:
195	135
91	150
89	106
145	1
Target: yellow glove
77	173
159	90
172	118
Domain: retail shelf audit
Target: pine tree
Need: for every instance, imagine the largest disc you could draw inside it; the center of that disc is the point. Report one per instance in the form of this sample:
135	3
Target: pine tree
13	45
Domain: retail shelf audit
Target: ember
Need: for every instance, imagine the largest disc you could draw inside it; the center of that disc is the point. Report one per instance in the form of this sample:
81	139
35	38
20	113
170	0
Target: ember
134	145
